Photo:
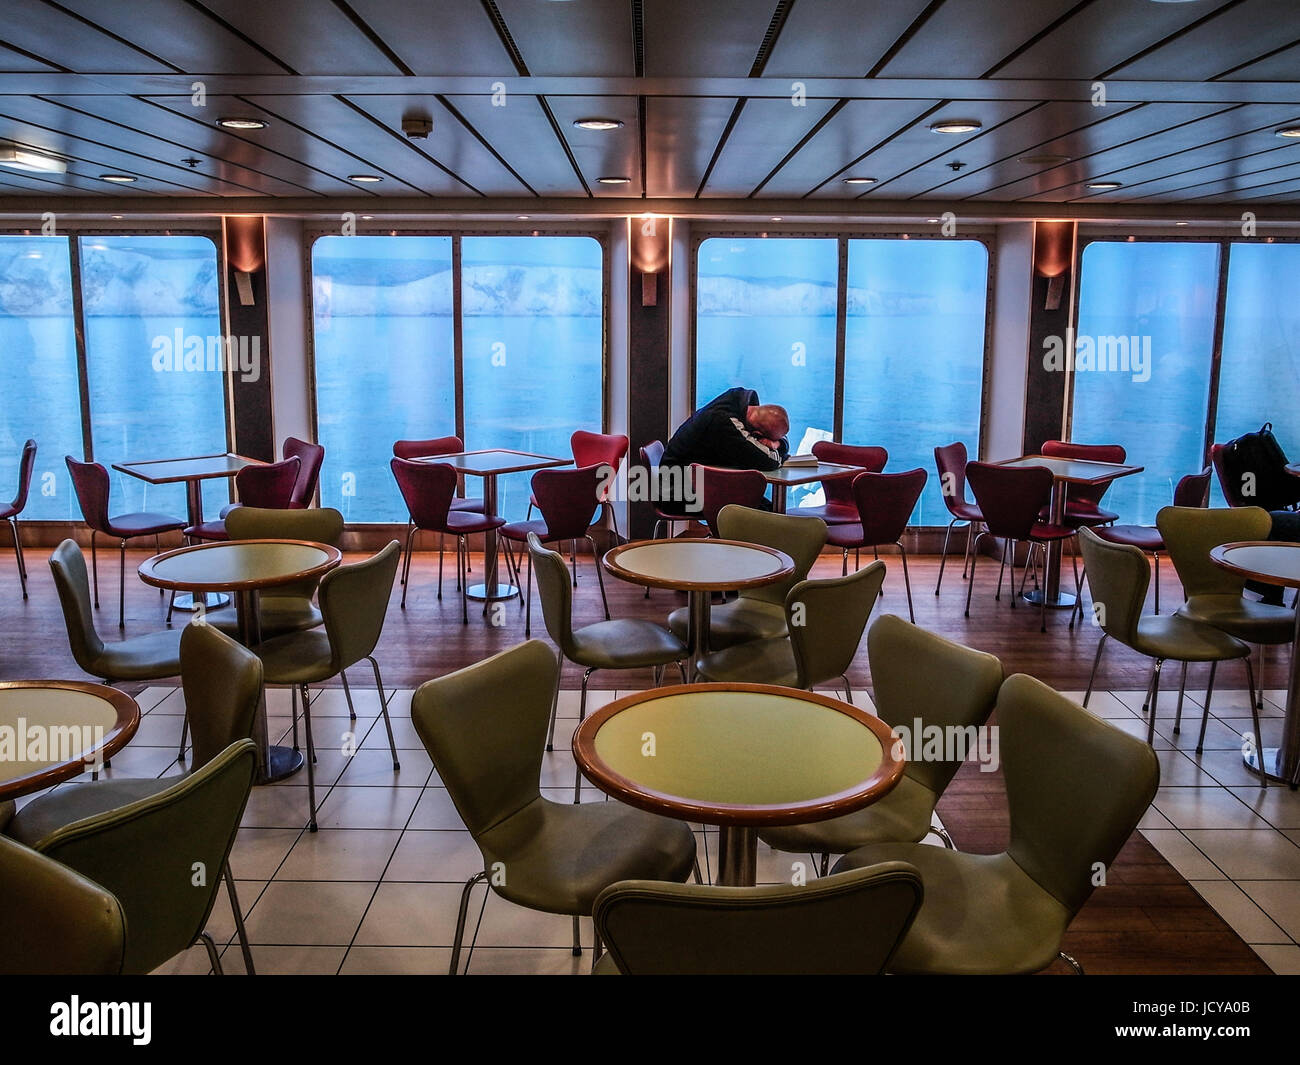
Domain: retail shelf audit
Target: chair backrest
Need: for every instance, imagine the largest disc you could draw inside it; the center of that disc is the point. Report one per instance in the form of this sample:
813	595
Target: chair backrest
419	449
311	456
652	455
1193	489
801	538
826	619
68	567
917	676
844	925
428	489
321	525
1010	497
568	500
1118	576
556	594
1190	533
222	682
1085	493
354	603
840	490
484	726
90	482
1229	485
885	503
597	449
716	488
1076	787
950	461
54	921
162	856
26	464
270	486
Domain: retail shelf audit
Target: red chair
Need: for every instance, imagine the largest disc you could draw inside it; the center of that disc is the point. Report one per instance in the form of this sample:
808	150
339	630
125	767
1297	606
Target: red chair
652	456
1228	484
598	449
840	507
1010	497
568	500
951	463
439	445
11	511
268	486
90	482
884	502
428	489
311	456
1082	504
716	487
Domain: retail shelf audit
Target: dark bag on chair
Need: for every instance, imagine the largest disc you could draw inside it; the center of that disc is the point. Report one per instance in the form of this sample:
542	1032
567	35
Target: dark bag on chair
1259	454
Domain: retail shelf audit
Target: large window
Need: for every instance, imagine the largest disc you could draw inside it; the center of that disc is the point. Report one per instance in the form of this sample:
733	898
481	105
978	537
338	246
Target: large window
1143	355
914	352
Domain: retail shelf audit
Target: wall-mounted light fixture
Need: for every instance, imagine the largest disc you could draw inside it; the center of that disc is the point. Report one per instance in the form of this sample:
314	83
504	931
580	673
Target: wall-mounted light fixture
1053	256
649	249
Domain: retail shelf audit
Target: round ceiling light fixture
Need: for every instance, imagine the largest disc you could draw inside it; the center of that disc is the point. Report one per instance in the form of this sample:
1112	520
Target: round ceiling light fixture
859	181
118	179
1289	132
956	125
613	179
239	122
365	179
599	124
1103	186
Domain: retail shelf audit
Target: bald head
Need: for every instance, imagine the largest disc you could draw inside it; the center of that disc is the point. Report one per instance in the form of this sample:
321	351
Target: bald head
770	420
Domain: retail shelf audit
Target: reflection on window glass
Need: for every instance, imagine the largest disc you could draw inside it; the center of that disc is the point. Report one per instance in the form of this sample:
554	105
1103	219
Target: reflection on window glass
154	358
384	354
1146	312
39	392
534	342
914	353
765	315
1259	376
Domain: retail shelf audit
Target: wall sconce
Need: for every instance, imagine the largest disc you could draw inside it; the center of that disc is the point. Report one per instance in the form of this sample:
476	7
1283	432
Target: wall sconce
246	252
650	248
244	286
1053	256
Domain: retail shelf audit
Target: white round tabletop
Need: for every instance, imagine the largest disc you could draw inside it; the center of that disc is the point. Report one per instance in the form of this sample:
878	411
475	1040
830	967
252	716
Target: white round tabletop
697	564
1270	561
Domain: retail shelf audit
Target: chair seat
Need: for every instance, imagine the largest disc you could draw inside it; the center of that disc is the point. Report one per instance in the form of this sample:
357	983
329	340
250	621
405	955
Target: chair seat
143	523
277	615
735	622
296	658
470	503
1044	531
831	513
148	657
964	511
1183	640
48	813
754	662
1146	537
1089	515
845	535
625	643
560	856
1241	617
902	816
462	522
208	530
982	913
519	530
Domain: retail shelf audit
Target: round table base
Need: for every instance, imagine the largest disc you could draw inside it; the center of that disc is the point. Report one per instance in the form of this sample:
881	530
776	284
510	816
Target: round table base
211	601
481	592
737	856
1272	758
1062	600
281	762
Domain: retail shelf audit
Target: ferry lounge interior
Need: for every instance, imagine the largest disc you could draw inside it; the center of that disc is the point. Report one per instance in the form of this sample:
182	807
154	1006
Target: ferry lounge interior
367	614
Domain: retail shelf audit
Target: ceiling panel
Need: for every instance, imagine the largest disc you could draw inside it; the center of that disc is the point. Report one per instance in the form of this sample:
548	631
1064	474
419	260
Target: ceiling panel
966	38
1286	190
586	39
613	153
839	38
681	136
12	62
524	137
72	182
70	43
449	37
763	135
311	36
718	39
1257	169
858	127
1226	40
1283	66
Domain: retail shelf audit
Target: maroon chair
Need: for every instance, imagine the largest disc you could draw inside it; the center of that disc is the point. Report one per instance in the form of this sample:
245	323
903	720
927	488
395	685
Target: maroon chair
884	502
90	482
951	463
840	507
1231	489
311	456
11	511
269	486
597	449
1010	498
717	487
568	500
440	445
652	455
428	489
1082	503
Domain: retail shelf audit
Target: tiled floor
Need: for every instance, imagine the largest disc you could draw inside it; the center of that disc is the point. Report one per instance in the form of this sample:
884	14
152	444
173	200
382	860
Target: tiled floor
376	889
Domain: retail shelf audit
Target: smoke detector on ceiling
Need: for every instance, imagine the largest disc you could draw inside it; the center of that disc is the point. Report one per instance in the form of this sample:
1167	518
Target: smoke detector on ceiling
417	127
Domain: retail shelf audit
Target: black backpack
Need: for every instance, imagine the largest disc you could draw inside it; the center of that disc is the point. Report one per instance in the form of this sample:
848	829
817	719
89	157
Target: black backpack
1261	455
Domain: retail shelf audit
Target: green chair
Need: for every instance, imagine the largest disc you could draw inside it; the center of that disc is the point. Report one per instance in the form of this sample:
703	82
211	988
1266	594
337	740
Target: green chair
54	921
1118	576
626	643
846	925
163	855
484	727
920	681
353	605
1076	789
825	620
222	685
758	613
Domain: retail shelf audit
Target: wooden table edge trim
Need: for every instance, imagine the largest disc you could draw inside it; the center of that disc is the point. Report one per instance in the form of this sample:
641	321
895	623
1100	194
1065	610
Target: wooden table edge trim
1216	556
145	568
610	561
879	784
125	727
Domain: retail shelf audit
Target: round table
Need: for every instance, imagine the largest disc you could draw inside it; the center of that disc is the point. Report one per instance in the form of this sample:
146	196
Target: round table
1272	562
245	567
740	756
53	730
701	567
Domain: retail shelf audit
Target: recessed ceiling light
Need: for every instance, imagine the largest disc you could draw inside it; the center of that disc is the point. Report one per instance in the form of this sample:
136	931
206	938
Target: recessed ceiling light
117	218
365	179
956	125
1043	160
1289	132
859	181
1103	186
600	124
777	218
367	218
1182	223
522	217
932	221
34	162
235	122
613	180
120	179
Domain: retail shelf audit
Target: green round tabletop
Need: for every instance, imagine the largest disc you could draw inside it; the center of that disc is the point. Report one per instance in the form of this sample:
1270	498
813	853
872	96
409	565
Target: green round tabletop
239	565
1270	561
698	564
738	754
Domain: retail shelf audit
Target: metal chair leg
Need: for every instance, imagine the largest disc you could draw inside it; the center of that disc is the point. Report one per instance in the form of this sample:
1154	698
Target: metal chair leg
383	709
1254	715
577	938
944	838
213	956
1070	961
347	694
943	557
94	567
848	692
311	760
1155	696
121	587
1095	663
970	534
460	920
582	715
239	920
185	731
997	596
600	577
528	600
1205	716
1182	691
970	588
293	712
406	561
907	583
1157	558
18	554
462	559
555	706
406	571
